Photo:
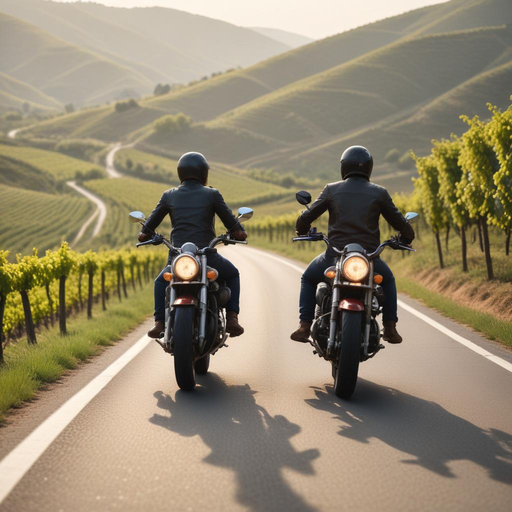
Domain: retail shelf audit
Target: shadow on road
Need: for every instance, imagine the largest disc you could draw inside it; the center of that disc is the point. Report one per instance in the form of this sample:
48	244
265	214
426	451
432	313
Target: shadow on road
242	436
423	429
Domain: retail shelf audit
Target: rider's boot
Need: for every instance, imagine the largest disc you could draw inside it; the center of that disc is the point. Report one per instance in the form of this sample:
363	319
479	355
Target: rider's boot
233	328
302	333
157	330
390	333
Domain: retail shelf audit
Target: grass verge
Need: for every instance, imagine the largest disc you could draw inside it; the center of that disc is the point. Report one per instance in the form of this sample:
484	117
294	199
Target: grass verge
27	368
490	326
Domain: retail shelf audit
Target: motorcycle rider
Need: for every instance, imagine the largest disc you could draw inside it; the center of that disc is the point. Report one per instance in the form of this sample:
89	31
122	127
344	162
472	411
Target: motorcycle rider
355	205
192	207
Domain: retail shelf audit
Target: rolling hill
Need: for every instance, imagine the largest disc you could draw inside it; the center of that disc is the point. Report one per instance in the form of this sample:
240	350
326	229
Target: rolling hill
275	130
209	99
14	93
63	71
289	38
163	44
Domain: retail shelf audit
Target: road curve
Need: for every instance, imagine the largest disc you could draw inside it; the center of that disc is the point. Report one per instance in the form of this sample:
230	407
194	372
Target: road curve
110	161
12	134
100	213
429	426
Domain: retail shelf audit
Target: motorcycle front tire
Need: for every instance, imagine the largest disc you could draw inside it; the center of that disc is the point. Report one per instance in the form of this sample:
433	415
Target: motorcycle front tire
345	378
183	334
201	365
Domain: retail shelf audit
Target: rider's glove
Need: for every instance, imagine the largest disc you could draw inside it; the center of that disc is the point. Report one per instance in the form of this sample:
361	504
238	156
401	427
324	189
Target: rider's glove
143	237
239	235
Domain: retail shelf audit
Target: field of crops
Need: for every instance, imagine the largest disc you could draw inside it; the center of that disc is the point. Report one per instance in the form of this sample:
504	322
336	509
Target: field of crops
36	219
59	166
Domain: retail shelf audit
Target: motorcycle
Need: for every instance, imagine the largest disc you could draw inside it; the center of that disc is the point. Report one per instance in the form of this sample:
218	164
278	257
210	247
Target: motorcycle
345	329
195	324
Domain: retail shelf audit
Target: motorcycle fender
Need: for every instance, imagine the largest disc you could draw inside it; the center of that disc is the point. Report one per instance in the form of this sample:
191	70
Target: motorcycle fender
351	305
186	300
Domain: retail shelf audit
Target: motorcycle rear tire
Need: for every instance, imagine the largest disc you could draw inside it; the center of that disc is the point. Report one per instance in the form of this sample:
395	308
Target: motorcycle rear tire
183	334
348	359
201	365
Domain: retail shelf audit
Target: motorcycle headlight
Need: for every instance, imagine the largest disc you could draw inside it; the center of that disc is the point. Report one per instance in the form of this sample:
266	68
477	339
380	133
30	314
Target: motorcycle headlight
185	267
356	268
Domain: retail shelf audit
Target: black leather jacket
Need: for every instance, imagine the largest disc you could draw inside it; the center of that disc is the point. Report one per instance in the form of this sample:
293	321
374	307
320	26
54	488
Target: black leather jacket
192	208
355	206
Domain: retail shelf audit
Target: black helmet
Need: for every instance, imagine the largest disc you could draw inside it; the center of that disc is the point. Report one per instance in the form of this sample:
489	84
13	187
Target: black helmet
193	166
356	160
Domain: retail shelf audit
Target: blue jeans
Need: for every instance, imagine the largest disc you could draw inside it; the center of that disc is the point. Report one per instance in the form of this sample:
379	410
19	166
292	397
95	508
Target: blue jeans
314	274
227	272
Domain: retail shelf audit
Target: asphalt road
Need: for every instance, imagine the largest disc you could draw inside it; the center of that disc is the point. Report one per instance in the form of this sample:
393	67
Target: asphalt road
428	428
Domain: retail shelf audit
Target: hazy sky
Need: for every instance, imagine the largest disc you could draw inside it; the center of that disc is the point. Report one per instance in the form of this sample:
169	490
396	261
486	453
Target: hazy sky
314	18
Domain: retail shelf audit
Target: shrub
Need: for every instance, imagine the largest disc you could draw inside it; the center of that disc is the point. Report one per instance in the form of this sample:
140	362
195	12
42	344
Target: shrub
172	124
123	106
80	148
12	116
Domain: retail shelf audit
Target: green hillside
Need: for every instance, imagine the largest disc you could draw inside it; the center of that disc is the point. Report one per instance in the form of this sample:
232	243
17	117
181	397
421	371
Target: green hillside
14	93
150	40
56	166
41	220
15	173
320	111
437	119
63	71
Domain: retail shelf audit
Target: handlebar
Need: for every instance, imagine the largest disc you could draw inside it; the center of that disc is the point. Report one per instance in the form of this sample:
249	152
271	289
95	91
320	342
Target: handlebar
159	239
393	243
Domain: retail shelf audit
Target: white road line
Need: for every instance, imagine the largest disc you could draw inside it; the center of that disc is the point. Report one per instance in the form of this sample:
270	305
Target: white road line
17	463
453	335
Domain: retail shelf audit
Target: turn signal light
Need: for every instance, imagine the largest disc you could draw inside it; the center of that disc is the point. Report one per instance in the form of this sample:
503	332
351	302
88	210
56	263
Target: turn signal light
168	276
331	274
377	279
212	274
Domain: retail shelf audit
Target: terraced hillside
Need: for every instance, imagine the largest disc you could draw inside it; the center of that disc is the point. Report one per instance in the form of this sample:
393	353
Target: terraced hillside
304	127
55	165
39	219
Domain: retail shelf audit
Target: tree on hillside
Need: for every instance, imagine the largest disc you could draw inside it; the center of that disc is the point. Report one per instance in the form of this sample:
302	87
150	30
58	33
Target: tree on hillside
446	155
25	277
64	263
476	188
162	89
500	133
431	202
91	265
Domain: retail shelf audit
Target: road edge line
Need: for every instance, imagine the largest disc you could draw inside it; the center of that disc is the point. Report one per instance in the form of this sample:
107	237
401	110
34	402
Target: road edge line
448	332
18	462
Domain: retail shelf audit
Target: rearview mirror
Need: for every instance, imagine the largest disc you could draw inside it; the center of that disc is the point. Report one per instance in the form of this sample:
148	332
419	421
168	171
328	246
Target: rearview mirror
244	213
303	197
137	217
412	217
